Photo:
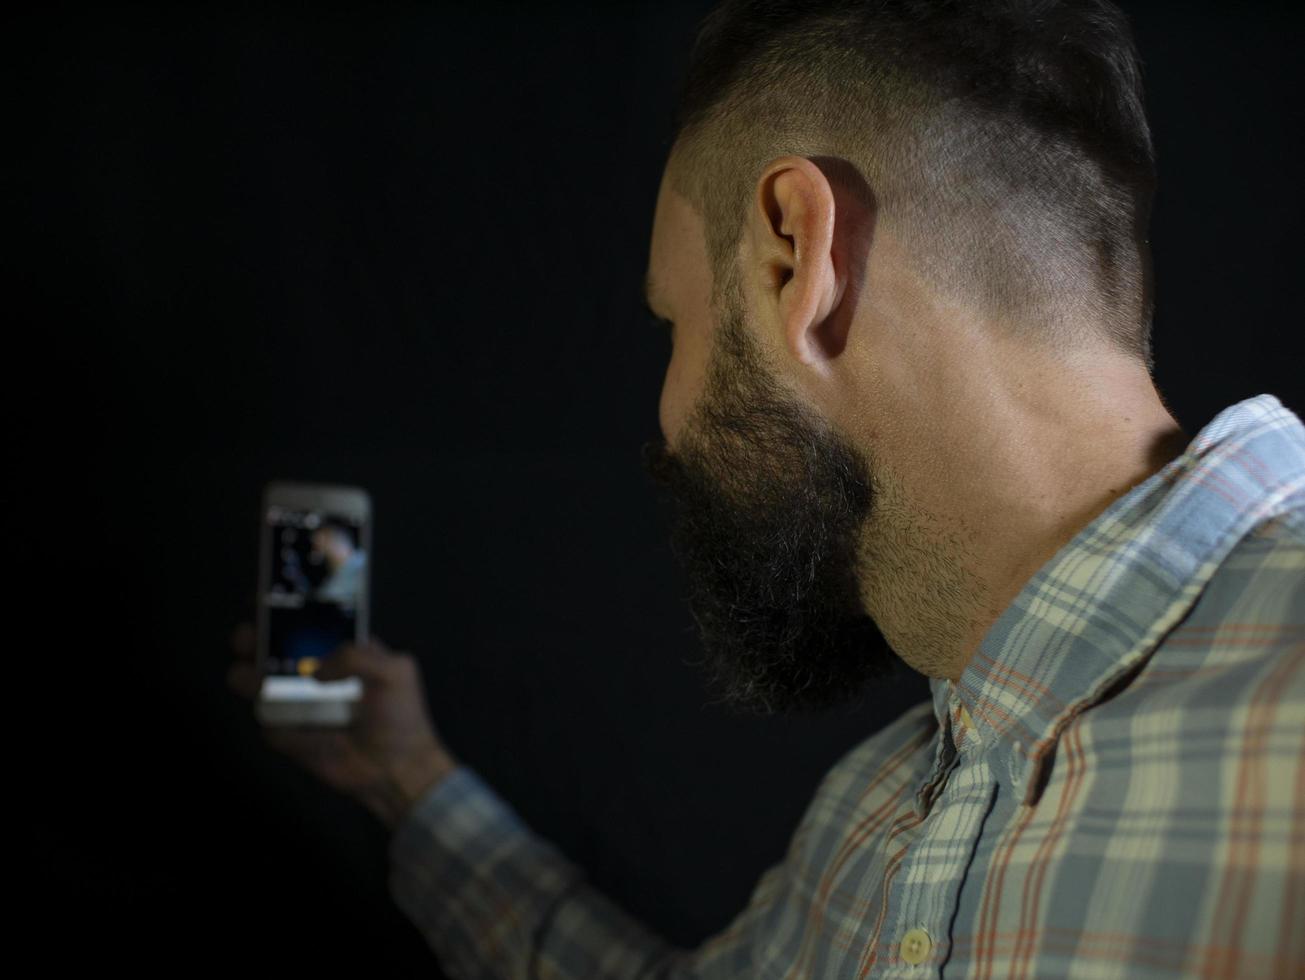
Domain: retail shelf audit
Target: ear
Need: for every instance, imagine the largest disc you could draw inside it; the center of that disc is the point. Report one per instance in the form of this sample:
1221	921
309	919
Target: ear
798	275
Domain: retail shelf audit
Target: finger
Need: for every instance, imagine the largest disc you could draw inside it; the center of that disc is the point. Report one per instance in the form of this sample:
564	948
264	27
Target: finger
371	661
243	679
299	741
316	748
243	641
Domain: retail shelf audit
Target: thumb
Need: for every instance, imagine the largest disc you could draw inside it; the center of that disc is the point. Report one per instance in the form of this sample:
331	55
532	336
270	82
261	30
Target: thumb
369	660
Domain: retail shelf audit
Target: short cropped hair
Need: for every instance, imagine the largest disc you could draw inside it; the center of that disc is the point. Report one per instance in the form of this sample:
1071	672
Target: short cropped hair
1005	142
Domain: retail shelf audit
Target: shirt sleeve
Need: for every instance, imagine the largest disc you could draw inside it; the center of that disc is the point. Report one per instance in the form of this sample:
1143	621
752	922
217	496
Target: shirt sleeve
493	899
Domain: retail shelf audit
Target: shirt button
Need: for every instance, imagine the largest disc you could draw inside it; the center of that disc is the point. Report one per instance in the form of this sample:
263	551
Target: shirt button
966	720
915	946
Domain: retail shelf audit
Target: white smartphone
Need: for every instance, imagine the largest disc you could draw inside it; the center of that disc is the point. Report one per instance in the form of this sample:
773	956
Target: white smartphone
315	558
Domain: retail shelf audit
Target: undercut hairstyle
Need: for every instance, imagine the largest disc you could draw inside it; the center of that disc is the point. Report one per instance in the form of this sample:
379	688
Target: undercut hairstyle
1005	143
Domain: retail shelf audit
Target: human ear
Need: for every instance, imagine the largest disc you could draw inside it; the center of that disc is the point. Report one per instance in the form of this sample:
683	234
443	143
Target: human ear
794	260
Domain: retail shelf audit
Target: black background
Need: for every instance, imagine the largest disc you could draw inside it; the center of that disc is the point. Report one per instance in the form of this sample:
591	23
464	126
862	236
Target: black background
403	247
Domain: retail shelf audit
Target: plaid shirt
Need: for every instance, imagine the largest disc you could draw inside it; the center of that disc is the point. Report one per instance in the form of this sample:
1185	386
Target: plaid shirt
1114	788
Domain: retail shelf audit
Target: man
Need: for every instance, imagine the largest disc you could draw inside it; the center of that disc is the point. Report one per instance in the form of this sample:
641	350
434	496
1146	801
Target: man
902	250
344	562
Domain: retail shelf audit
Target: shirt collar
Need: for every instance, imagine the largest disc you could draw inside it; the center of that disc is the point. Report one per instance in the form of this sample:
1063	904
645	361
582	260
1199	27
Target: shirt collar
1098	607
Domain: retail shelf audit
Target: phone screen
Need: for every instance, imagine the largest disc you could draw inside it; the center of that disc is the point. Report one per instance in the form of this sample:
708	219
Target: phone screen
316	591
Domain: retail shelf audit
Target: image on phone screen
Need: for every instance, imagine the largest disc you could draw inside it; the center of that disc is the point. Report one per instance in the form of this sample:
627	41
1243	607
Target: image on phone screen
314	600
318	571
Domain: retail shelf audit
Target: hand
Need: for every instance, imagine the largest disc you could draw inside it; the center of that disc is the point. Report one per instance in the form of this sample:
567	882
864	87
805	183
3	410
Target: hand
390	755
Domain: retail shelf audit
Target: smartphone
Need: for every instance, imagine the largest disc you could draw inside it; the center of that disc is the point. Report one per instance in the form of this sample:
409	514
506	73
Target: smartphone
315	556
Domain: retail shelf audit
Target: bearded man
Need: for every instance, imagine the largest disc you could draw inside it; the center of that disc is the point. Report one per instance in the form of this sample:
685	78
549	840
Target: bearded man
902	250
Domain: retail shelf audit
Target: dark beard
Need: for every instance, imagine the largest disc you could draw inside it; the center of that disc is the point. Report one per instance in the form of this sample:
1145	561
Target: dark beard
770	504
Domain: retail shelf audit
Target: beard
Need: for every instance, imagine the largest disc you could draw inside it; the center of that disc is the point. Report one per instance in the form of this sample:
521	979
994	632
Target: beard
769	507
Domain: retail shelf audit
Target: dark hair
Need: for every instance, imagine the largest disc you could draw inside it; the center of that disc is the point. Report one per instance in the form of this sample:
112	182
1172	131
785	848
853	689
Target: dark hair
1005	143
339	529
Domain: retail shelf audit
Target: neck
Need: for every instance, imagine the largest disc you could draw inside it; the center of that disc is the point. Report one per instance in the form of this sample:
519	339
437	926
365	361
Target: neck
1013	472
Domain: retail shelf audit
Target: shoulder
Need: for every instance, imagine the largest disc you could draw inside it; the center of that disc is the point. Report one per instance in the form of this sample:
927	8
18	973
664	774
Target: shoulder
896	740
884	765
1259	587
1284	530
1242	643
